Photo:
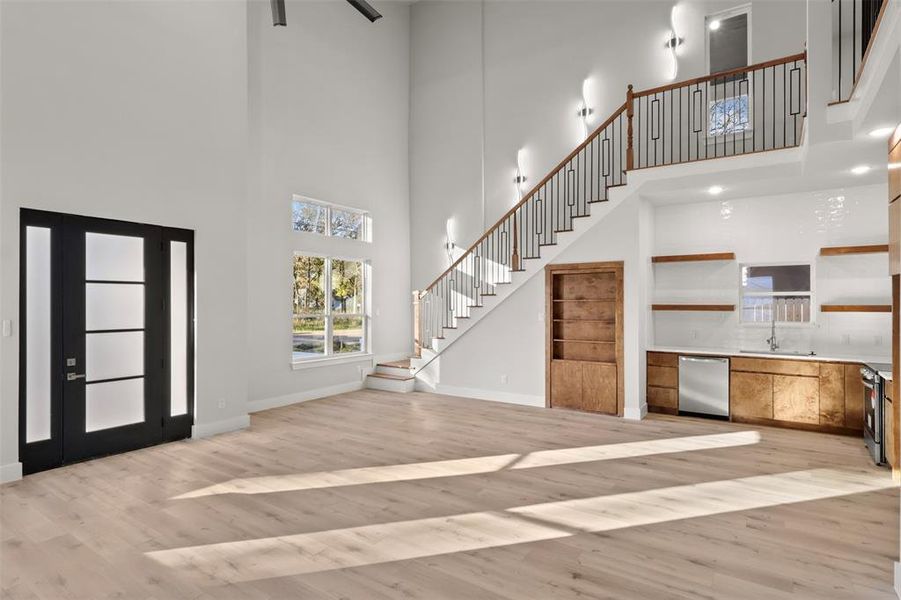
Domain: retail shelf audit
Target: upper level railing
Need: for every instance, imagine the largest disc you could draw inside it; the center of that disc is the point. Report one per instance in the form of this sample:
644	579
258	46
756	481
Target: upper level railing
854	26
754	109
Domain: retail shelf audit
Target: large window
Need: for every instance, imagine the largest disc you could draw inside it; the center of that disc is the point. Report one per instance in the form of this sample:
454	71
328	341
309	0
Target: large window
728	98
312	216
780	293
329	307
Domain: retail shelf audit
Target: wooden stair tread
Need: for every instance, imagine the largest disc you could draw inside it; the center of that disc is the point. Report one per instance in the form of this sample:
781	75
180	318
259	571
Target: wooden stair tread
394	377
396	364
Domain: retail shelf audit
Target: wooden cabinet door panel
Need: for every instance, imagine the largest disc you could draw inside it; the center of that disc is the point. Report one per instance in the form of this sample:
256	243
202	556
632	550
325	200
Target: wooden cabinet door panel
663	397
667	377
663	359
796	399
832	394
751	395
599	388
853	397
776	366
566	384
891	451
894	235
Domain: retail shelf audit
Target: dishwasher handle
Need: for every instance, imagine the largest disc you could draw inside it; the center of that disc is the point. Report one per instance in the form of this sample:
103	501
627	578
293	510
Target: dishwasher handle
703	359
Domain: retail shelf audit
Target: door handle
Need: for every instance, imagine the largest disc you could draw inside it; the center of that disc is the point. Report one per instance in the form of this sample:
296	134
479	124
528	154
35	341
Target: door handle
74	376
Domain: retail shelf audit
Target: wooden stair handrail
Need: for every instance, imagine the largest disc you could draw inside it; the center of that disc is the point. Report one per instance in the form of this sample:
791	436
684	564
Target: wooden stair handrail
531	193
627	107
721	74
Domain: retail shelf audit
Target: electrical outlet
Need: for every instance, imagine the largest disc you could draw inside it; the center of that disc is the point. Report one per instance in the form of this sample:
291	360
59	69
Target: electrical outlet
694	334
541	315
503	379
846	339
877	340
7	328
221	402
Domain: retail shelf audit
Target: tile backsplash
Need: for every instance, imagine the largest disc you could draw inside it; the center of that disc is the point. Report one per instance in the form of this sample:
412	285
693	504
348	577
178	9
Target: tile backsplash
789	228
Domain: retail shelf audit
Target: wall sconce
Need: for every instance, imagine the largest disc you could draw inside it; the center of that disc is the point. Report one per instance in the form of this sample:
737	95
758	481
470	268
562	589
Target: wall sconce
520	178
449	245
585	111
673	41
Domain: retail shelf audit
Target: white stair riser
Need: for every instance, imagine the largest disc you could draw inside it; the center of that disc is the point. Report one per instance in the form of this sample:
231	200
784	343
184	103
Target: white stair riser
391	385
398	371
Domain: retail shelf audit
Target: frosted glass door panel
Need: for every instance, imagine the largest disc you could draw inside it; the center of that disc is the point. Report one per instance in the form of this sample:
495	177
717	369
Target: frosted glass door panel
114	257
178	328
37	334
113	404
114	306
113	355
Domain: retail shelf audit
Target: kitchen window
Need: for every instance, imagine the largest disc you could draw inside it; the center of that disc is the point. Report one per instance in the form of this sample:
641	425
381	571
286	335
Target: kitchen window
330	317
776	292
313	216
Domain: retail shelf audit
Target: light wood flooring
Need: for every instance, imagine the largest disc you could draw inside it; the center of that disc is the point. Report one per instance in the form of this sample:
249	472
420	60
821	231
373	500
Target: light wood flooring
373	495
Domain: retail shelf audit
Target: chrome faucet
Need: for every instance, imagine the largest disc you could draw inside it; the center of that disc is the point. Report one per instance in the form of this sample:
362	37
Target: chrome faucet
772	339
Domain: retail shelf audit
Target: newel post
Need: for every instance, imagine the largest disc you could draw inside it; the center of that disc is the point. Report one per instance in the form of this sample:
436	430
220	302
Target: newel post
417	329
630	111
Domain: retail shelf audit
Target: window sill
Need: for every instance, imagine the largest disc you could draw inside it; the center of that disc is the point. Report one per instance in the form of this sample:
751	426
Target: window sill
329	361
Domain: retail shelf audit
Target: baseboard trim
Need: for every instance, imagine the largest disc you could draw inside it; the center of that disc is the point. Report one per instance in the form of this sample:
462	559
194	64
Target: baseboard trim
491	395
279	401
224	426
634	414
898	579
10	472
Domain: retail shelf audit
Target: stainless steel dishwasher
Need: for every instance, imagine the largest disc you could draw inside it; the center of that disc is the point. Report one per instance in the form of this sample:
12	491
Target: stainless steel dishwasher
704	386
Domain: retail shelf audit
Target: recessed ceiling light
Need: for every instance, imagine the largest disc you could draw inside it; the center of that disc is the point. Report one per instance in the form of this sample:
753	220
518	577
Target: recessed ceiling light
715	190
861	169
881	132
714	25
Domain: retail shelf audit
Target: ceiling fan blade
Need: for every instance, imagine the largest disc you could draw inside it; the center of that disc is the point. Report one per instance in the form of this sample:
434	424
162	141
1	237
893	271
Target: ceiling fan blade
366	9
278	13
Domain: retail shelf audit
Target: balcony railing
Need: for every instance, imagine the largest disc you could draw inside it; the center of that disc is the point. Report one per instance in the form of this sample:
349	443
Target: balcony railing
742	111
854	26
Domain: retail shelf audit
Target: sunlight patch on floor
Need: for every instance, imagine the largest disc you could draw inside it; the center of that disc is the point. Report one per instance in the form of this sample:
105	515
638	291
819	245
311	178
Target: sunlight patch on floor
473	466
372	544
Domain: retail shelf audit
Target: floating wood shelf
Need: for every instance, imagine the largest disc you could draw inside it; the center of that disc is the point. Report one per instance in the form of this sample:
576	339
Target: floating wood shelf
695	307
880	308
693	257
844	250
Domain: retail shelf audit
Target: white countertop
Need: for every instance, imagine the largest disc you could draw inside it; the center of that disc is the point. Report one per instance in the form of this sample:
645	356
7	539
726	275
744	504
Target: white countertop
750	354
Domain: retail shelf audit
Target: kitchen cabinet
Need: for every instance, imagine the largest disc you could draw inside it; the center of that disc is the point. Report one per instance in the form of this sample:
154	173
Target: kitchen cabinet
751	395
663	382
796	399
891	448
802	394
832	394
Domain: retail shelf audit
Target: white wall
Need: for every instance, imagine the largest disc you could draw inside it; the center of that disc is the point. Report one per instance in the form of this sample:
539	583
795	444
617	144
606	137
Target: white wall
135	111
474	366
784	228
329	115
533	75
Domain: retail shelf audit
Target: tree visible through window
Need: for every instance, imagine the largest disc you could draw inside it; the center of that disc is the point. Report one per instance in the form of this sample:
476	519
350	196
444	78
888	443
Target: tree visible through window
328	328
312	216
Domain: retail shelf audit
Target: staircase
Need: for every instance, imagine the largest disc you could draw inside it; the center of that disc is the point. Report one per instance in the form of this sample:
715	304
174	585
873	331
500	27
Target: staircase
743	111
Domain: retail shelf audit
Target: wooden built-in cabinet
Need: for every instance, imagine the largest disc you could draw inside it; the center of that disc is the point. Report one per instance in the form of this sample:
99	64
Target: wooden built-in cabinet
803	394
663	382
585	337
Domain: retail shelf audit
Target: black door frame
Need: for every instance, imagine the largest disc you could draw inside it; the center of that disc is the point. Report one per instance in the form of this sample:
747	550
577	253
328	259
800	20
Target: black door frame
68	443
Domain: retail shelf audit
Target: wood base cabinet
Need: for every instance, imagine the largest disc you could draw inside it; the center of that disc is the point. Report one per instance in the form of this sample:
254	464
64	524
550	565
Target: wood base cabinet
800	394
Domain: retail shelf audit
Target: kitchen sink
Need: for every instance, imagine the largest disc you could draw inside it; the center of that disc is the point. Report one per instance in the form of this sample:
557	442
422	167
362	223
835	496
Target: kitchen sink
780	352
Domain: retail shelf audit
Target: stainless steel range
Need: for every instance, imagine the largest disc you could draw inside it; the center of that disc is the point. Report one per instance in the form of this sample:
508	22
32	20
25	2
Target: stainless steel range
874	409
